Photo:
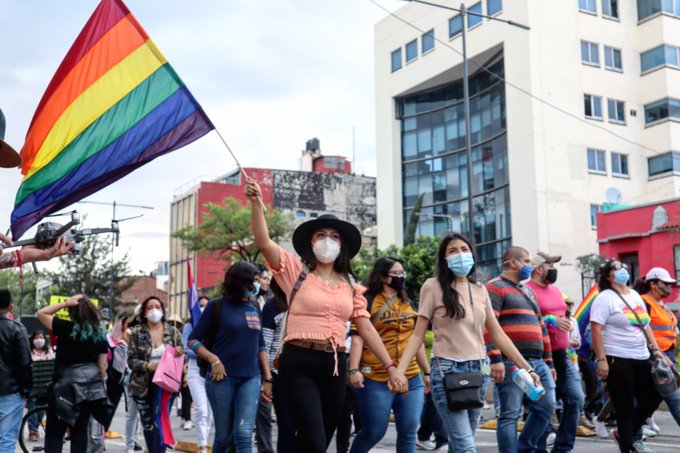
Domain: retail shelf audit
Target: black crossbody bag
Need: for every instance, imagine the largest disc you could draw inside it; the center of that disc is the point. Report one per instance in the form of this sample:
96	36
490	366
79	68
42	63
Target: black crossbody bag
464	390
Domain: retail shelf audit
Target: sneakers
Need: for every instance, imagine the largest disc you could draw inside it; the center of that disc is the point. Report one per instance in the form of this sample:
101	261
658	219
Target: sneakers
652	424
550	440
648	431
600	429
187	425
641	447
427	445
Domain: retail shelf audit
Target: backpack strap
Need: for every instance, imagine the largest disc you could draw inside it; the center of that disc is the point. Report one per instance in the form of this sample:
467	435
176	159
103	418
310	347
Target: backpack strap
386	306
298	283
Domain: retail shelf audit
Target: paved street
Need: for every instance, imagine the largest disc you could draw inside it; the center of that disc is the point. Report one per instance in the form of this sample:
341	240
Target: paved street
668	441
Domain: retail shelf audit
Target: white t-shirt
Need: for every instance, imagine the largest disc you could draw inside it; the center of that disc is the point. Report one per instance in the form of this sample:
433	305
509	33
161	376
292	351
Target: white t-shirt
622	335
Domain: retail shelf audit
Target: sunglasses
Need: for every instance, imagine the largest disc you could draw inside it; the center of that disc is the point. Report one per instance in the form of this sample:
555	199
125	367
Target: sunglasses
620	266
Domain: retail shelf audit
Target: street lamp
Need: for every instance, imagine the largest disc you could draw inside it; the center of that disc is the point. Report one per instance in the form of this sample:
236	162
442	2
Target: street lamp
466	98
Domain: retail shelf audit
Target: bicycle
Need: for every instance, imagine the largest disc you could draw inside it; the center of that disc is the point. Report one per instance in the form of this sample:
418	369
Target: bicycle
42	372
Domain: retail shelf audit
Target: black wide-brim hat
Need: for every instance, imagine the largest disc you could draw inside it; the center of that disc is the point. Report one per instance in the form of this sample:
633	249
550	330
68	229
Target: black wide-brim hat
9	158
349	234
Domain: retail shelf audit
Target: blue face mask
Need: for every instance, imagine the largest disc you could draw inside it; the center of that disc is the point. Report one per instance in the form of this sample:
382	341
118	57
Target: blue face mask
460	263
621	276
525	272
253	292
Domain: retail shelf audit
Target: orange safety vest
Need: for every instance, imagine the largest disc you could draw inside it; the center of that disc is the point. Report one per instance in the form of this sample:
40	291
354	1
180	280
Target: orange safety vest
663	323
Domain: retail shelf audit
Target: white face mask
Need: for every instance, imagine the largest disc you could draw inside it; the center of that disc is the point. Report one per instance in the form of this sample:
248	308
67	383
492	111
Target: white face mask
154	315
39	343
326	250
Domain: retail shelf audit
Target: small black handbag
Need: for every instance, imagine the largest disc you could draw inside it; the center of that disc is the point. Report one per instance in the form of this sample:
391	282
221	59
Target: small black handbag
464	390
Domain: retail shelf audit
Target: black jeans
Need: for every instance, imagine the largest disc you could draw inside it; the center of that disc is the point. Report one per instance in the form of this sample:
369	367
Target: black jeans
430	422
285	442
263	427
345	423
313	395
148	414
56	428
633	394
185	411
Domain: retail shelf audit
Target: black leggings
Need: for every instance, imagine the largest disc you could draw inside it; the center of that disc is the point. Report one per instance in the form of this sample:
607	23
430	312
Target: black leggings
314	396
56	428
633	394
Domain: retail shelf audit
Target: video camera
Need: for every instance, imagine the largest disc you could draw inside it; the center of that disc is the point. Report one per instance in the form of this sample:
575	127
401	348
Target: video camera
49	232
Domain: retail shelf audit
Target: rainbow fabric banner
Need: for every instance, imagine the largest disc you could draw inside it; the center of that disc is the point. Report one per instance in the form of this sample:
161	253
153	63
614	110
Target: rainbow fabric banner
582	316
113	105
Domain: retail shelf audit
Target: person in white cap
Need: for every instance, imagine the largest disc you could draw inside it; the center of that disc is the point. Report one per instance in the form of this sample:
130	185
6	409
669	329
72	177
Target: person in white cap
653	288
9	158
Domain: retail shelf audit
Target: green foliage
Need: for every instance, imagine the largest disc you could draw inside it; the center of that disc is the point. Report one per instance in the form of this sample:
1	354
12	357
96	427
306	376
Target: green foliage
91	271
589	265
24	302
410	237
225	231
419	260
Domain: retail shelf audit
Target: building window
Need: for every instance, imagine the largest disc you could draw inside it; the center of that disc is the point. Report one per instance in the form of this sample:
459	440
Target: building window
427	41
664	55
594	210
648	8
596	161
664	163
676	255
493	7
455	26
590	53
396	59
612	59
619	164
616	110
474	19
593	106
610	8
411	51
587	6
659	110
300	214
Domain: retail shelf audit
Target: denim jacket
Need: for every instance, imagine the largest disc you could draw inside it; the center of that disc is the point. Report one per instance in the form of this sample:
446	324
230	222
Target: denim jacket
139	351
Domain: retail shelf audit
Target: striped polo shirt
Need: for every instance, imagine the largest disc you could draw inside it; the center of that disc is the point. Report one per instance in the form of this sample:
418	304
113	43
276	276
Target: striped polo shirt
519	315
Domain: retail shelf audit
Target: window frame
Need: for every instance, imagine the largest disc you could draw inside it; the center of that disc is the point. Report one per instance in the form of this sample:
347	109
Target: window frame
430	34
596	153
613	51
488	9
593	215
588	11
673	157
667	100
401	60
665	63
590	45
616	103
414	44
592	107
451	21
620	157
609	16
480	19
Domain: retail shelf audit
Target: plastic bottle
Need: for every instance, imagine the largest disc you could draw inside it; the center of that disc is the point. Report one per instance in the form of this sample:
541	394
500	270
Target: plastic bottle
523	379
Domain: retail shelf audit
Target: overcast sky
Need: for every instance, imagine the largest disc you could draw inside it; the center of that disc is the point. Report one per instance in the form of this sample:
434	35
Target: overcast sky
270	75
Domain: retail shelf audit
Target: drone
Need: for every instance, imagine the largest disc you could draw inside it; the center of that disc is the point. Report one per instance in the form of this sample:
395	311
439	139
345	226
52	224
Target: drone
49	232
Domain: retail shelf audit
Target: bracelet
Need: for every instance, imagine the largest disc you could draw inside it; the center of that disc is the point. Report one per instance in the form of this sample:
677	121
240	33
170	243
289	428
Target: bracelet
426	373
353	371
215	362
531	370
387	367
600	360
268	381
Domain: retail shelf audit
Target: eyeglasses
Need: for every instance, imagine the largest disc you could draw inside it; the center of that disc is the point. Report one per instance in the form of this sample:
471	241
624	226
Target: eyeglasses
396	274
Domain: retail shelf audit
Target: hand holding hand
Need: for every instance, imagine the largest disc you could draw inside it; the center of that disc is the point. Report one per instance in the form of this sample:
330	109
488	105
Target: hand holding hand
426	380
266	392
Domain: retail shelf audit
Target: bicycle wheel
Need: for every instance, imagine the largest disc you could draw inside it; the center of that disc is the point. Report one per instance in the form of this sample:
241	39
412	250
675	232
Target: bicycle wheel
39	445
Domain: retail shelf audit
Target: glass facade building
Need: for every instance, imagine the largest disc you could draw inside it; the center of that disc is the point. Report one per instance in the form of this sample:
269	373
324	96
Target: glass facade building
434	162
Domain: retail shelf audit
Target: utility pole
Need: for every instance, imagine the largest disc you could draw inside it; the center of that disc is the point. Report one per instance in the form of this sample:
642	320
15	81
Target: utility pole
112	277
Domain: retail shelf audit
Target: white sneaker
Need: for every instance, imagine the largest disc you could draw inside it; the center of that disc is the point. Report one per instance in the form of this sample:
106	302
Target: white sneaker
187	425
550	440
647	431
640	447
652	424
425	445
600	429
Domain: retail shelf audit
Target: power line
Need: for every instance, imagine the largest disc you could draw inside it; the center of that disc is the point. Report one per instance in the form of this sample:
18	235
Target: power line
521	90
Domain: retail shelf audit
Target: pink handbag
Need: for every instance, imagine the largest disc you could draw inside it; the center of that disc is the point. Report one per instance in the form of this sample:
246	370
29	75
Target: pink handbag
168	374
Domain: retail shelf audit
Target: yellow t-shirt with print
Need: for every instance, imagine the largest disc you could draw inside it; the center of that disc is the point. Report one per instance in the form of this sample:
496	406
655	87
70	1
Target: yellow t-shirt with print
395	328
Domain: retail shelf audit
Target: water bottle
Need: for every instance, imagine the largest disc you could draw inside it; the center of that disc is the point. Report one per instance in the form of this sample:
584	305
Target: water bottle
523	379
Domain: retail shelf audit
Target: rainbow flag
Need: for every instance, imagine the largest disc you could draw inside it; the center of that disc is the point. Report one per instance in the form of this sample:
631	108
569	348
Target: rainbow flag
582	315
192	300
113	105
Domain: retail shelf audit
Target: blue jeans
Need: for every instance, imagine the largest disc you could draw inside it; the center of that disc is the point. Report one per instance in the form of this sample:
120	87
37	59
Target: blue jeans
11	411
234	406
375	403
540	411
36	419
673	401
460	426
569	391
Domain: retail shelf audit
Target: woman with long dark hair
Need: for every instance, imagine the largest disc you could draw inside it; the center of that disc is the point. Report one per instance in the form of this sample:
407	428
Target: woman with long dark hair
78	390
229	337
622	352
322	297
145	349
459	308
394	319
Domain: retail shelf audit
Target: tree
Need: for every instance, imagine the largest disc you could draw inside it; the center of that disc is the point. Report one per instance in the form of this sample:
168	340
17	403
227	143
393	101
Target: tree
224	232
589	265
23	299
90	272
410	237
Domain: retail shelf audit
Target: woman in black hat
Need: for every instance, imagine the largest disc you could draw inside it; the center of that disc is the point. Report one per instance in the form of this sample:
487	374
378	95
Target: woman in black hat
322	297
